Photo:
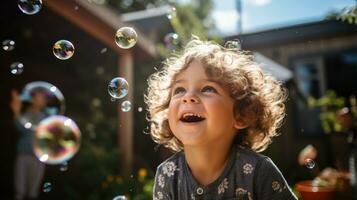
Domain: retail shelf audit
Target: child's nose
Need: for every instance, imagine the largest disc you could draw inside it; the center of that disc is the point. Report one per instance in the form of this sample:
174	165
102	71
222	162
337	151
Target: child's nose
190	98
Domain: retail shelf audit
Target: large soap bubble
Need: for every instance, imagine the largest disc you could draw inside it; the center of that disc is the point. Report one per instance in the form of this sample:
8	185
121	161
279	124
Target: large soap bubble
56	140
54	102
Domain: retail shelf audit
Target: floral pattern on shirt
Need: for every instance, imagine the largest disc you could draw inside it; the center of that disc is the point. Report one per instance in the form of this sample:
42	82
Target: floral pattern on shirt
276	186
169	168
193	197
241	193
159	196
248	168
223	186
161	180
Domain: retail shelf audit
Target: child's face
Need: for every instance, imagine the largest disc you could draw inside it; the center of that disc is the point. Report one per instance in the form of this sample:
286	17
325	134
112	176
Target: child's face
193	93
39	100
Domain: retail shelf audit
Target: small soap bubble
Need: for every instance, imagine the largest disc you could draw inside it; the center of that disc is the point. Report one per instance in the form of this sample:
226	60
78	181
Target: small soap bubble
56	140
64	167
103	50
47	187
118	88
63	49
120	197
171	41
16	68
8	45
233	44
126	106
140	109
28	125
309	163
30	7
126	37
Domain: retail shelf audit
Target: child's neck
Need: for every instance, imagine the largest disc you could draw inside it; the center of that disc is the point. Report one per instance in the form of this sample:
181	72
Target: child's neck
207	162
34	109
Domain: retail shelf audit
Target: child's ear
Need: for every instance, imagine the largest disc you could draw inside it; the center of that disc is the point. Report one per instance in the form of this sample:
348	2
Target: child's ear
240	124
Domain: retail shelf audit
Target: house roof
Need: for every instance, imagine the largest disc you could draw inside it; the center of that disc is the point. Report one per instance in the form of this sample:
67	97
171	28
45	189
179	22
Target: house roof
100	21
273	68
295	33
153	22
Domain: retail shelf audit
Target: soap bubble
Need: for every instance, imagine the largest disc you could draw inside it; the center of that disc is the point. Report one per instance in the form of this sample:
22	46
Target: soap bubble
16	68
64	167
30	7
140	109
103	50
233	44
171	41
54	102
171	13
126	106
63	49
126	37
8	45
118	88
56	140
309	163
120	197
47	187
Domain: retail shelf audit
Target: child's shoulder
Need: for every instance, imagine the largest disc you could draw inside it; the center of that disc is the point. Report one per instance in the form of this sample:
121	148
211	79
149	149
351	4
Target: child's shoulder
249	159
256	163
247	154
171	164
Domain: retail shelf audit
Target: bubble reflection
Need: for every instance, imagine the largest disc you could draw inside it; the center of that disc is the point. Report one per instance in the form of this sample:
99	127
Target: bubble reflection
118	88
56	140
126	37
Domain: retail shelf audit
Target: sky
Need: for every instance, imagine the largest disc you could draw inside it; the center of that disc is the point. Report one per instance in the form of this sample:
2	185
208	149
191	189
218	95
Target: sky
258	15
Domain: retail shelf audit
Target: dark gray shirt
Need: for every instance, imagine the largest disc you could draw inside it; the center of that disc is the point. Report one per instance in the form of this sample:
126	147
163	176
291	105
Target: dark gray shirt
247	176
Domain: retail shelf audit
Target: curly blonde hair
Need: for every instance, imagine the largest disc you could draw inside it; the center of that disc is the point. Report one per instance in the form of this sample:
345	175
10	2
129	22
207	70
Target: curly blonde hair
259	98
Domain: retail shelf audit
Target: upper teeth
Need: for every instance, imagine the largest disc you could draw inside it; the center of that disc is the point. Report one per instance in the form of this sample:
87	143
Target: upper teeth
191	114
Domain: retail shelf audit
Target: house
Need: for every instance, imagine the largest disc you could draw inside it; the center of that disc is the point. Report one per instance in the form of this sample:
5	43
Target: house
322	56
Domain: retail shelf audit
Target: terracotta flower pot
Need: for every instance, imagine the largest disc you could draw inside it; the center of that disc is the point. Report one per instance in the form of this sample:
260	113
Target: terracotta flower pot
309	192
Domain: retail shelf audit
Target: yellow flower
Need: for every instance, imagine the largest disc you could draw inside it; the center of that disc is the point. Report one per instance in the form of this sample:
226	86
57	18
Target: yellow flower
142	173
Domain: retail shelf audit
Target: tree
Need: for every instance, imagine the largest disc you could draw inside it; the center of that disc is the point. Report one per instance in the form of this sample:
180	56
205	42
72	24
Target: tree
348	14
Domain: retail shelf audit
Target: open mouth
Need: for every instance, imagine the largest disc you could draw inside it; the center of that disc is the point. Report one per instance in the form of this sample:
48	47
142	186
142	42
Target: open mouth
191	118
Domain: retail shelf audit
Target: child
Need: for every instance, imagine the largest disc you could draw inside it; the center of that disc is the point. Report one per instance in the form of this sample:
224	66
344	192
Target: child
29	171
216	108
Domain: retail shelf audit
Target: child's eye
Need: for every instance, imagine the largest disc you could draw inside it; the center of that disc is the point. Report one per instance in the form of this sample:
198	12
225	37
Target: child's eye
178	90
209	89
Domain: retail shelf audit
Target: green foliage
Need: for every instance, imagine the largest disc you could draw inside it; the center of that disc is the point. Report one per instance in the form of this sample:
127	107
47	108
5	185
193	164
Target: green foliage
348	14
330	104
